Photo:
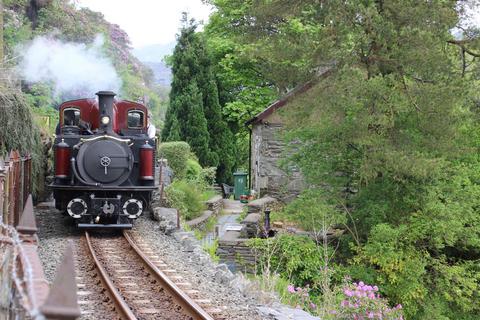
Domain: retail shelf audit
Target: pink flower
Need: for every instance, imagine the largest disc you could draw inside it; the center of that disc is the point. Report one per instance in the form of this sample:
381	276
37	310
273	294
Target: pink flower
348	292
375	288
313	306
345	303
371	295
361	284
399	306
370	315
291	289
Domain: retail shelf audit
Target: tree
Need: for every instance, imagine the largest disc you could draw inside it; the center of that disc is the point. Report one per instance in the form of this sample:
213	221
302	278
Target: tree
195	105
390	136
185	111
222	141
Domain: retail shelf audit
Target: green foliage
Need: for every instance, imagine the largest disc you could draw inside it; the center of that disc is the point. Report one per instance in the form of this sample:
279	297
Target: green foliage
292	257
194	114
25	138
211	249
194	170
185	197
186	111
242	88
312	213
221	138
390	135
177	154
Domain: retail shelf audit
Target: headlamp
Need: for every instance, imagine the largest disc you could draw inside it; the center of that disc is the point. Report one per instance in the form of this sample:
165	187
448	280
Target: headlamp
105	120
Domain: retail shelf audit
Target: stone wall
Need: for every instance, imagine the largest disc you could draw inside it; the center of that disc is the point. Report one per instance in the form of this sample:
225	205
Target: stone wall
234	252
214	206
268	178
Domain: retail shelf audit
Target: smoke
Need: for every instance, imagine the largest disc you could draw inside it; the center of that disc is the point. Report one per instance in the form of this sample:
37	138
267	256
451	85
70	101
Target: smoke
74	69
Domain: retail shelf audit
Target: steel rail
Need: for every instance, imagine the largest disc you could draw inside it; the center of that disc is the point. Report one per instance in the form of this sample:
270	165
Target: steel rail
122	307
187	303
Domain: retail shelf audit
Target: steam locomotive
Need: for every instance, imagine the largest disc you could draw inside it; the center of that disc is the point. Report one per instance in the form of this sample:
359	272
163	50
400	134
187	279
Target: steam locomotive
104	162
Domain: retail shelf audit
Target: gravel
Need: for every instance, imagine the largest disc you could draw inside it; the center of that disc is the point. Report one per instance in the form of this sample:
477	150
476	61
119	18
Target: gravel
238	297
215	282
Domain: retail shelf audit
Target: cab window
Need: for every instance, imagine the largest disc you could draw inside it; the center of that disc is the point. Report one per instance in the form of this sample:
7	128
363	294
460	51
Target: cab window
71	116
135	119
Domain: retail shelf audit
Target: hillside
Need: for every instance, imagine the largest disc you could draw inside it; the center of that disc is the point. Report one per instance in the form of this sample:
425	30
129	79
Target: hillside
61	23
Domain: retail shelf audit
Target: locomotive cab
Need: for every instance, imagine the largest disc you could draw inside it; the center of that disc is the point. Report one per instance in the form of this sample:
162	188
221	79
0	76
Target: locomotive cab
104	162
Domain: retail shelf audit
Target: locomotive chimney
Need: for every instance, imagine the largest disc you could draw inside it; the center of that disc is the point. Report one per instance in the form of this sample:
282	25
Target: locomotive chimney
105	108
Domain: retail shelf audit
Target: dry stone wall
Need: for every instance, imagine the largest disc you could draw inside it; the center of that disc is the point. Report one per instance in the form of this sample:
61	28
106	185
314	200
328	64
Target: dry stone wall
268	149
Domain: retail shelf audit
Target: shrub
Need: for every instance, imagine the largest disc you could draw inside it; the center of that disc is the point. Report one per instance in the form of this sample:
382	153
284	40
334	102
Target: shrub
293	257
18	131
177	154
193	170
185	197
362	301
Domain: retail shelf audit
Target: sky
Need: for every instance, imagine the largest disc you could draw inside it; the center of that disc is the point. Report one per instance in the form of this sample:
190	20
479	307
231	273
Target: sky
148	22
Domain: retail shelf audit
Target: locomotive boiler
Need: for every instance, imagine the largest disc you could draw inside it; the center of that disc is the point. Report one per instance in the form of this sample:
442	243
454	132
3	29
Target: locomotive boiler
104	162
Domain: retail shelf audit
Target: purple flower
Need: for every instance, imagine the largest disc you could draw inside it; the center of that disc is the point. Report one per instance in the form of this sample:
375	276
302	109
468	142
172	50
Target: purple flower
361	284
370	315
313	305
291	289
371	295
345	303
375	288
348	292
399	306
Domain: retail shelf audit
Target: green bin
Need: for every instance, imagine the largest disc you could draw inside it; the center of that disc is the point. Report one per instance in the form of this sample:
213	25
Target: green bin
240	184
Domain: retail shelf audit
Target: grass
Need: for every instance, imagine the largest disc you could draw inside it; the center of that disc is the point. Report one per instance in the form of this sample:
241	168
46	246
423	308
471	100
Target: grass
242	215
209	226
208	194
211	249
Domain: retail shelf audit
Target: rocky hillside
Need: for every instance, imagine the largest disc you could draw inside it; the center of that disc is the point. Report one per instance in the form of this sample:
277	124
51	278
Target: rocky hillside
61	20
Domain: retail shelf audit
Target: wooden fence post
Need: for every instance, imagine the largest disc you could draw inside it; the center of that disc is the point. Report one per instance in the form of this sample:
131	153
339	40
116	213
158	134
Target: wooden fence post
15	159
10	192
2	188
1	33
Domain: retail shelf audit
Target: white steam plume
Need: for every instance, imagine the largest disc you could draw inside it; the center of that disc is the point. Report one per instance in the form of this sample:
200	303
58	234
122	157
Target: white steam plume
75	70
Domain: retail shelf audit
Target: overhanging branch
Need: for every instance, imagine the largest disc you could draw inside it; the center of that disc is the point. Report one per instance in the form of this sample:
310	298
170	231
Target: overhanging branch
462	44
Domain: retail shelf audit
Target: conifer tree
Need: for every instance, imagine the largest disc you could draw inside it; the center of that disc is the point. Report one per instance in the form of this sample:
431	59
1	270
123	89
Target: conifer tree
194	114
222	141
185	119
194	126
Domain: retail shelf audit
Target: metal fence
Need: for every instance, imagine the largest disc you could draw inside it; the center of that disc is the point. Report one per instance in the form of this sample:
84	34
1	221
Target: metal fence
24	291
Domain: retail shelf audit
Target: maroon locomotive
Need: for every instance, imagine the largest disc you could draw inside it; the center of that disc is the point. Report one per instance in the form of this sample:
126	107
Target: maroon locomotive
104	162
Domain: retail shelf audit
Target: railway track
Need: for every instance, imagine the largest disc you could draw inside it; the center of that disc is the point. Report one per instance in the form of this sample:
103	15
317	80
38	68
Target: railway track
139	284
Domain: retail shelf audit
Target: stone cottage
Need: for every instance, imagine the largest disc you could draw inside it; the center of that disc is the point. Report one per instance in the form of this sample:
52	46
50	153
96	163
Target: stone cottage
267	149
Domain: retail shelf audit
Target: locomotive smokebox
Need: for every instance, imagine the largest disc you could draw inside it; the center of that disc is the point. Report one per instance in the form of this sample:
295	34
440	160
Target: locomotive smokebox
105	108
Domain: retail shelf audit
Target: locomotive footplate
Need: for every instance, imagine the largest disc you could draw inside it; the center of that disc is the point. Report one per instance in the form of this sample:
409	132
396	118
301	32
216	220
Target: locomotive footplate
105	226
